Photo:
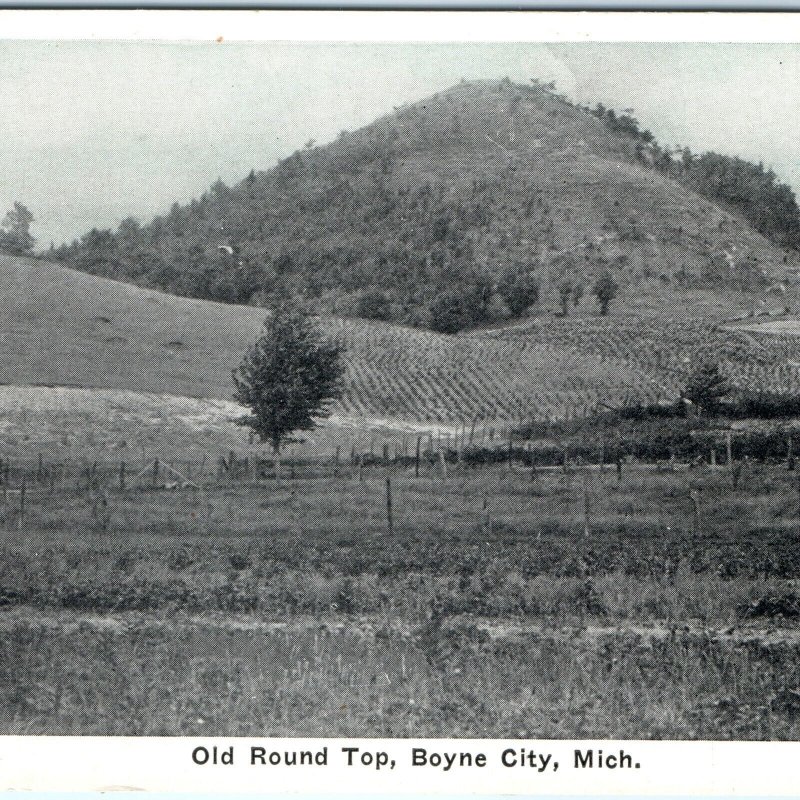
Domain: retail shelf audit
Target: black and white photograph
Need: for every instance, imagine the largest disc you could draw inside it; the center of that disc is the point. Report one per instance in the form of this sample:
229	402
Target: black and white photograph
400	389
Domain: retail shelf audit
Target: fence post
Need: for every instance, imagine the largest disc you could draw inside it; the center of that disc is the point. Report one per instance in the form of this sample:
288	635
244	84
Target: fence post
389	505
416	456
798	495
695	495
586	510
732	470
443	464
22	503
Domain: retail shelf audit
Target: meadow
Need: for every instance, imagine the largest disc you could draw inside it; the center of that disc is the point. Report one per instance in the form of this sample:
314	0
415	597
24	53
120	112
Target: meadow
659	603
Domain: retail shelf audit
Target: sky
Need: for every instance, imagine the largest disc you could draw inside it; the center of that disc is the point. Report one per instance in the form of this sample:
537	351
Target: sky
93	132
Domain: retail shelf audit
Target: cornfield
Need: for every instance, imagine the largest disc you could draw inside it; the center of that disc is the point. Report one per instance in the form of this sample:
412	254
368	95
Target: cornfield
548	368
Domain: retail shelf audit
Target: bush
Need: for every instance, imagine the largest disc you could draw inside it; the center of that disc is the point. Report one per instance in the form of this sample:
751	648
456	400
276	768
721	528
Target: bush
519	290
706	387
374	304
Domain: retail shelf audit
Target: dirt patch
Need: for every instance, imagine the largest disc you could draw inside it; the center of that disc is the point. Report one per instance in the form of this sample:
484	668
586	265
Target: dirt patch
582	634
790	327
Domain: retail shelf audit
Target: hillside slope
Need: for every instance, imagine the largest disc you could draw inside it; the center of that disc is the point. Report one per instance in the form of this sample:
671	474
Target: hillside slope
62	328
435	214
59	327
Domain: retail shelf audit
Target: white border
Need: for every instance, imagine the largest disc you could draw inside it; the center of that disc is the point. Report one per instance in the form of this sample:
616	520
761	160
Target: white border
402	26
106	764
151	764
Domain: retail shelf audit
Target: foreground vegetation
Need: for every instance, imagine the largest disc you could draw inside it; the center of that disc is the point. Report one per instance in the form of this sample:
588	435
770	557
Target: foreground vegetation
655	604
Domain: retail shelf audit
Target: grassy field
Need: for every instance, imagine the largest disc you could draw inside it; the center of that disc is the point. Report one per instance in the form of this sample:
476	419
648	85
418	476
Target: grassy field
574	604
501	603
62	328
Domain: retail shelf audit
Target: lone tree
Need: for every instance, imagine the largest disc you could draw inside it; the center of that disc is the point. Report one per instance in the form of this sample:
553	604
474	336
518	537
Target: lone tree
15	232
706	387
605	290
288	377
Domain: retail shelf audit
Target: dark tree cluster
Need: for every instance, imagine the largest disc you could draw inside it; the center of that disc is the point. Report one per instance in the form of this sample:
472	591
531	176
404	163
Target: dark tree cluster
381	251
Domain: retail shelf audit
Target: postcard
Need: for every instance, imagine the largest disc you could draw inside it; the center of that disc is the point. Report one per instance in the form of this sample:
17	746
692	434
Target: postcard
400	401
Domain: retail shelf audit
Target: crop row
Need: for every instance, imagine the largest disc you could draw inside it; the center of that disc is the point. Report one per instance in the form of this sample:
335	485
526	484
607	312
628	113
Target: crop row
547	369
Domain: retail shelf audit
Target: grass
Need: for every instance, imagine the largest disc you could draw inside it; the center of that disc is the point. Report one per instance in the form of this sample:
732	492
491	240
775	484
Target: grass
191	681
285	608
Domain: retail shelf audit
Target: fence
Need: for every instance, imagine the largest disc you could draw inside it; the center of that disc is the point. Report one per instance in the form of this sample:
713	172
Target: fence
25	484
420	454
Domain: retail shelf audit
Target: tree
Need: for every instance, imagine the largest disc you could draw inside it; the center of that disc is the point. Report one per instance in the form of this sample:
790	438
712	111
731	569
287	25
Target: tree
15	234
605	290
456	309
519	289
288	377
706	387
374	304
577	294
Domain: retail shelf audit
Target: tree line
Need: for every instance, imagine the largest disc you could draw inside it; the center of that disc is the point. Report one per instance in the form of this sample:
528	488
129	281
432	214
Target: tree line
749	189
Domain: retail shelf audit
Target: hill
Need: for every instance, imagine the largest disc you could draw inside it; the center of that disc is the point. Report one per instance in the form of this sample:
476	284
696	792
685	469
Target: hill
63	328
464	209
